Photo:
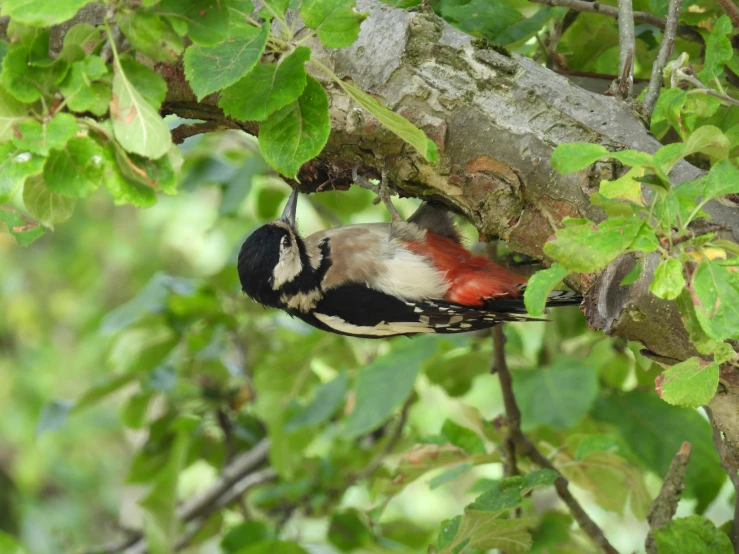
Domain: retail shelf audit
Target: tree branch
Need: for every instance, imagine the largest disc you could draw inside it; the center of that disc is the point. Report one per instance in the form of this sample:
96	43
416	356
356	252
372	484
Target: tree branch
525	447
644	17
627	47
663	56
731	9
733	477
664	506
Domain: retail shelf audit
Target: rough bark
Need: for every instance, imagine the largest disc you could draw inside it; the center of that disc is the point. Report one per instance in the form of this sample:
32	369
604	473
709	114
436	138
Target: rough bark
495	119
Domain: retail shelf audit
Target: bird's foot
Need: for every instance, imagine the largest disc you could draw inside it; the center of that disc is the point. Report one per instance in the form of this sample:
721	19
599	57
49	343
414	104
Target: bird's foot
382	190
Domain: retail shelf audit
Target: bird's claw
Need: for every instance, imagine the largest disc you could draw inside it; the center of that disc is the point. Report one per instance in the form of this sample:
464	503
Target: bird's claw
382	190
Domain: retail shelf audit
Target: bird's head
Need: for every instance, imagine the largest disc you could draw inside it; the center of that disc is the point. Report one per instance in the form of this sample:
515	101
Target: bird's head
272	257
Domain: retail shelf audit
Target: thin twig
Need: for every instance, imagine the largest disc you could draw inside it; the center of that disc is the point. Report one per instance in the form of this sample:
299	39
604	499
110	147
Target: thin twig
681	75
664	506
718	441
663	56
627	46
187	130
513	415
683	31
731	10
526	448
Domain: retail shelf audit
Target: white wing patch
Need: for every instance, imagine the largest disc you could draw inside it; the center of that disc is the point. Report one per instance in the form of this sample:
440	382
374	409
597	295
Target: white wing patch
380	330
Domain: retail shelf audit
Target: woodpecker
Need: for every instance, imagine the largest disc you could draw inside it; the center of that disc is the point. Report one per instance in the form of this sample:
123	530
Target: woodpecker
382	279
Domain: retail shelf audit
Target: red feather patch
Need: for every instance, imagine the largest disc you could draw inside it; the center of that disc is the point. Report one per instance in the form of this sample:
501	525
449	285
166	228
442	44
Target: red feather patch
472	279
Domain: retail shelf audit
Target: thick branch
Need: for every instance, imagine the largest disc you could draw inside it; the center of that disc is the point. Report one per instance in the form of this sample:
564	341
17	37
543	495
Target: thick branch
733	477
731	10
627	46
664	506
526	448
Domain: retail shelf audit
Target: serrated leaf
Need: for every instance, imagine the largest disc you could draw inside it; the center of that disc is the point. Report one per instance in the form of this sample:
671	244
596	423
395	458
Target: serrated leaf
668	280
40	137
395	123
26	81
540	285
24	231
45	206
136	124
298	132
12	112
267	88
79	41
336	22
146	81
694	534
205	22
210	69
76	169
589	247
708	140
716	297
328	399
723	178
559	395
483	530
383	385
690	384
718	50
654	431
41	13
152	35
539	478
83	89
15	167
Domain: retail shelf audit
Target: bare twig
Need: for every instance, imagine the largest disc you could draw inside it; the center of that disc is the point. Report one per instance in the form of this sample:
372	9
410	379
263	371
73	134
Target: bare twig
683	31
526	448
718	441
627	46
663	56
731	10
664	506
513	414
681	75
187	130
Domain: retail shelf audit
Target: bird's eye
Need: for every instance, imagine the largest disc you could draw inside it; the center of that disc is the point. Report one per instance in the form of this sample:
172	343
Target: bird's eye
285	242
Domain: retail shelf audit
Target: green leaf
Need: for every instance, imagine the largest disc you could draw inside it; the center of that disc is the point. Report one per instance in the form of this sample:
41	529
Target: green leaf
151	35
540	285
276	8
574	156
558	395
450	475
668	280
483	530
383	385
328	399
8	544
654	431
395	123
210	69
77	169
718	50
136	124
41	13
690	384
336	22
134	410
692	534
298	132
274	547
243	535
539	478
146	81
160	504
53	416
632	275
24	231
39	138
12	113
625	187
723	178
708	140
83	89
205	22
526	28
716	298
347	531
45	206
79	41
100	391
27	81
456	369
464	438
267	88
586	248
668	111
15	167
721	351
124	189
481	18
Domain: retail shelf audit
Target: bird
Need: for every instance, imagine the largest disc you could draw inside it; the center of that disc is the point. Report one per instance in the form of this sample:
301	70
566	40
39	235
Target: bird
381	280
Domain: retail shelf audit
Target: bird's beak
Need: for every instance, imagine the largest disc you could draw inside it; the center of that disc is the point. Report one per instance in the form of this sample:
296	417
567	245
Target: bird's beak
288	214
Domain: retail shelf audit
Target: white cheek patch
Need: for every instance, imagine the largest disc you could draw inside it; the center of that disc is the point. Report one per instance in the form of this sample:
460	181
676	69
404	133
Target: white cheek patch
380	330
303	301
289	266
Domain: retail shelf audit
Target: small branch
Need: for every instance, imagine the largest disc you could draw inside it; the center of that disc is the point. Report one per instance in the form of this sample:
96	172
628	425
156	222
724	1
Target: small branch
526	448
680	75
683	31
664	506
718	441
513	414
187	130
627	47
663	56
731	10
